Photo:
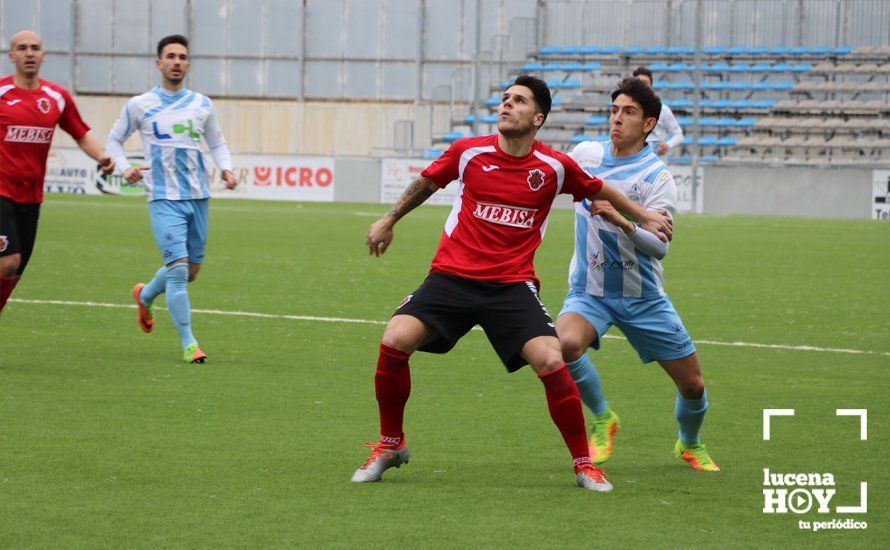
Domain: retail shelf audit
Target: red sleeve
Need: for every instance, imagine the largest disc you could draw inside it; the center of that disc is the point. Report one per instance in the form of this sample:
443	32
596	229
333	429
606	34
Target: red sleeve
444	169
70	120
579	183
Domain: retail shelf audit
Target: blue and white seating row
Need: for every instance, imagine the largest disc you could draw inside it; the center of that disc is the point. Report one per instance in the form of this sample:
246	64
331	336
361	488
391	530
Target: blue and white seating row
724	104
734	68
724	122
590	66
682	51
724	86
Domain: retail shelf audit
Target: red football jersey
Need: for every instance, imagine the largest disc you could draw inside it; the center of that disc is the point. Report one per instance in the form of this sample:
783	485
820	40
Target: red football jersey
500	214
28	120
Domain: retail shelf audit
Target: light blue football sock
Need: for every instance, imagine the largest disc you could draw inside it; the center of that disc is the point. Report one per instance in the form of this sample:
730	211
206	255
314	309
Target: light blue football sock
588	381
156	286
178	302
690	413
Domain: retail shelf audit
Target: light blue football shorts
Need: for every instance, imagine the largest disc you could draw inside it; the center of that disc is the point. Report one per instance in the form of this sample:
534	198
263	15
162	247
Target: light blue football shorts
180	228
651	325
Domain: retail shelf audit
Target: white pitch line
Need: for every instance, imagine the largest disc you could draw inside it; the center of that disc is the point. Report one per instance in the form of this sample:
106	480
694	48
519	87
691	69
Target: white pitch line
373	322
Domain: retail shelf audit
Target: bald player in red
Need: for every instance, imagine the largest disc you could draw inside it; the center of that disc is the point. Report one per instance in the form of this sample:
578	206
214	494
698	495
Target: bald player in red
30	110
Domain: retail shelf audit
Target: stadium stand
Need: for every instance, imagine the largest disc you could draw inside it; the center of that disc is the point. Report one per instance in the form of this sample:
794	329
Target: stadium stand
823	104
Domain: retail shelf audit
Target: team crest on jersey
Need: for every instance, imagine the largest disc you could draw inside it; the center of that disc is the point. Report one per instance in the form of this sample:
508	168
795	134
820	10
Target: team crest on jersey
535	179
4	242
634	193
43	104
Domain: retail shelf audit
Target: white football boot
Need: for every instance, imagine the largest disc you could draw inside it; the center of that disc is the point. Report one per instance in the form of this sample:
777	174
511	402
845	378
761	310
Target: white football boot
382	459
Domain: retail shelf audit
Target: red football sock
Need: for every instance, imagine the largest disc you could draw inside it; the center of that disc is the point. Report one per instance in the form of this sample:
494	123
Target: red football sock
565	410
6	286
392	384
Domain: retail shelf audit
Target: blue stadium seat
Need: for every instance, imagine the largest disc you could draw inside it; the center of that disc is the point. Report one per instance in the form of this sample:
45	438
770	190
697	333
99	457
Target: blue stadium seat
740	68
707	140
715	50
555	102
680	50
708	159
451	137
549	50
596	120
745	122
686	140
706	121
763	104
842	50
800	68
724	122
634	50
569	50
570	67
493	101
679	67
433	153
761	68
737	50
559	84
580	138
673	103
727	141
534	66
551	67
610	50
656	50
780	51
484	119
655	67
716	67
590	49
684	120
591	66
758	50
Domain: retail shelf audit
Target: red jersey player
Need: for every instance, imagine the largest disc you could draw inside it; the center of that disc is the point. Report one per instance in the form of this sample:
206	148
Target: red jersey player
483	272
30	109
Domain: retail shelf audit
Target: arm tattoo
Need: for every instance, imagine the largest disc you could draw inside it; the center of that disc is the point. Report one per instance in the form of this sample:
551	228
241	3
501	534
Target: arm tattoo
416	194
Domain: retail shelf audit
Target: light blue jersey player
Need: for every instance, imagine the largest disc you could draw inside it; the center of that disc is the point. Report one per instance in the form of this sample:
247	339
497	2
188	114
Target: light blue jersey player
616	277
172	120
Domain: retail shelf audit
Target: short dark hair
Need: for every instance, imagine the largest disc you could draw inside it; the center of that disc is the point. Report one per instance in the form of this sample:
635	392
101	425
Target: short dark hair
642	93
172	39
540	91
644	71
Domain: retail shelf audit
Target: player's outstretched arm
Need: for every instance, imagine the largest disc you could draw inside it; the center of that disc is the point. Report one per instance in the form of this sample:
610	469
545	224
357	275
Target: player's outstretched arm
380	233
642	239
92	148
657	223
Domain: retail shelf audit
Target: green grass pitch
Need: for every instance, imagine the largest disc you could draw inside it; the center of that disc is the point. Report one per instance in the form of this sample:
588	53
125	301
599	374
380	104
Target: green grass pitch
106	440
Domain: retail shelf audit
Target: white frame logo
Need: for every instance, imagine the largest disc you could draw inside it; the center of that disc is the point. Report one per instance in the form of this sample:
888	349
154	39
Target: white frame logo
806	490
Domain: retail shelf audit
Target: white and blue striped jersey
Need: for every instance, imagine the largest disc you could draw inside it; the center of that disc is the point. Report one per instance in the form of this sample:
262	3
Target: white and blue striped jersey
171	126
606	263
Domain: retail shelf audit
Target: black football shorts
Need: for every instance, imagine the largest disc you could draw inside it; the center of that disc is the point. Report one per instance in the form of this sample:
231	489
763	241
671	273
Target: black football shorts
511	314
18	229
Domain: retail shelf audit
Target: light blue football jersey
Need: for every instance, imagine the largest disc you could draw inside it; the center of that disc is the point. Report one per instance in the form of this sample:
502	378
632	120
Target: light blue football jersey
606	263
171	126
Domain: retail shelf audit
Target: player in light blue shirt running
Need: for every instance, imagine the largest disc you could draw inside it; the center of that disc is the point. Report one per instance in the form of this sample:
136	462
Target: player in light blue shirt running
616	277
172	120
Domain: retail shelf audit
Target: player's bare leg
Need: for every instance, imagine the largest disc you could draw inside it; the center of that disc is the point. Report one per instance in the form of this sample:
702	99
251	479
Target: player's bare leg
9	267
545	356
392	384
575	336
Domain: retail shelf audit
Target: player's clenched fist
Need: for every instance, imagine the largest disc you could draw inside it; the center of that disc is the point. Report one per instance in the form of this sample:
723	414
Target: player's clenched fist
379	236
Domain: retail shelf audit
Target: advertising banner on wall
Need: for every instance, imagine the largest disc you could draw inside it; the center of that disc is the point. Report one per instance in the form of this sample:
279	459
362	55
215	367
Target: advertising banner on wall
264	177
683	179
397	174
279	178
880	195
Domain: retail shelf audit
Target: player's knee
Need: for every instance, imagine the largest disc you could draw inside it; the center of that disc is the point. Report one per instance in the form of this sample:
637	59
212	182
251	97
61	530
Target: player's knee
398	339
9	266
572	347
549	364
692	388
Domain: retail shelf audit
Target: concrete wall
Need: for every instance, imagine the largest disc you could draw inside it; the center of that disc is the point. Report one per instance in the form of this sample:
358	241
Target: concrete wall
841	193
277	127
